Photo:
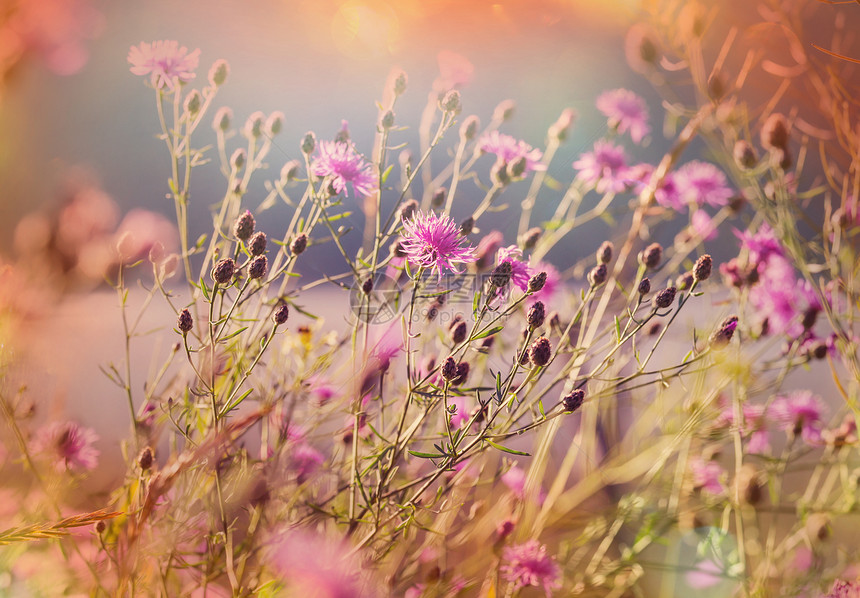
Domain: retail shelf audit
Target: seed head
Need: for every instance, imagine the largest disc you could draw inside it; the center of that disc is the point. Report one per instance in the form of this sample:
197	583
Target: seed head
185	322
258	267
257	244
243	228
573	400
280	315
604	253
530	237
449	369
644	286
501	275
299	244
536	315
650	256
665	298
597	276
540	351
223	271
702	269
309	143
536	282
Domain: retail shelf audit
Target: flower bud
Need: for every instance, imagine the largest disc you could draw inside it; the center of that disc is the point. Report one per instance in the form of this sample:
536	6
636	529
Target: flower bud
243	228
723	335
185	322
438	198
517	167
254	125
289	171
684	281
702	269
223	271
367	285
560	129
641	48
145	458
469	128
536	315
504	111
280	315
221	121
644	286
540	352
530	237
257	244
193	101
604	253
399	85
744	154
573	400
665	298
458	331
536	282
237	160
407	209
218	73
467	226
387	119
275	123
774	132
651	256
449	369
462	373
450	102
501	275
309	143
299	244
499	173
258	267
597	276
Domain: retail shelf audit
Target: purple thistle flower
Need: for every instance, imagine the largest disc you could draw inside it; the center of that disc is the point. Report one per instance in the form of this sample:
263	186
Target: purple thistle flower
166	62
707	475
702	226
702	183
70	445
520	271
605	167
761	244
844	589
434	242
529	565
508	149
626	111
340	162
800	412
550	286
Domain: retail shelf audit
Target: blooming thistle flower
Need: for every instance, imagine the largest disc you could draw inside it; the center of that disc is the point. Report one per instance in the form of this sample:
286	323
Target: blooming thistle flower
626	111
340	162
520	271
166	62
529	564
508	149
434	242
70	445
799	413
605	167
702	183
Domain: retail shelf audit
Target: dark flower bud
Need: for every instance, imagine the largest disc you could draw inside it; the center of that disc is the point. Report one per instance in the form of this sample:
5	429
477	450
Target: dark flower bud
254	125
449	369
450	102
644	286
458	331
818	350
597	276
641	48
407	209
367	285
573	400
309	143
554	320
193	102
536	282
467	226
257	244
221	121
530	237
748	484
145	458
650	256
604	253
782	158
774	132
258	267
536	315
237	160
540	351
716	86
462	374
499	173
723	335
218	73
809	318
439	196
744	154
501	275
101	526
243	228
488	342
665	298
223	271
289	171
504	111
469	128
387	119
299	244
684	281
702	269
275	123
399	83
185	322
281	313
517	167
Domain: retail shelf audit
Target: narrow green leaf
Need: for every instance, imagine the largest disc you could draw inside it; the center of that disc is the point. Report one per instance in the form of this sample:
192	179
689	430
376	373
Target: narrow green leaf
386	173
425	455
233	334
486	333
505	449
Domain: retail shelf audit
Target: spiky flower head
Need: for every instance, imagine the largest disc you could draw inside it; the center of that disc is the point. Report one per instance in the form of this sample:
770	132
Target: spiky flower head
257	244
223	271
185	322
342	164
280	315
244	226
529	565
258	267
540	352
665	298
434	243
573	400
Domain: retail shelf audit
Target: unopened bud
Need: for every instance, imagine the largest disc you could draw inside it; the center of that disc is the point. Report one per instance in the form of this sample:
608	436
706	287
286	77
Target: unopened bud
774	132
280	315
193	102
243	228
536	282
367	285
387	119
309	143
438	198
744	154
299	244
604	253
254	125
469	128
665	298
223	271
536	315
530	237
467	226
517	167
258	267
684	281
504	111
146	458
219	72
407	209
257	244
399	85
275	123
644	286
560	129
573	400
597	276
449	369
458	331
185	322
651	256
450	102
221	121
501	275
702	269
289	171
540	352
723	335
237	160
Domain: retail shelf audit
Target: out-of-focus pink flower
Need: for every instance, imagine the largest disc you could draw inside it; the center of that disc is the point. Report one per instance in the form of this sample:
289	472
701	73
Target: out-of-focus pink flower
455	71
529	564
461	416
755	426
702	183
508	149
800	412
844	589
520	271
707	475
550	287
339	161
705	575
321	388
760	245
487	247
142	230
68	445
165	61
666	194
605	167
305	460
435	243
703	226
625	111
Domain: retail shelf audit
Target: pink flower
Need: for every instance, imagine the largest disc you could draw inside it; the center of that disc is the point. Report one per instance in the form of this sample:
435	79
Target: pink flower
164	61
844	589
552	284
461	416
529	565
455	71
702	183
508	149
340	162
305	460
605	167
800	411
707	475
520	271
70	445
666	194
760	245
754	426
626	111
434	242
703	226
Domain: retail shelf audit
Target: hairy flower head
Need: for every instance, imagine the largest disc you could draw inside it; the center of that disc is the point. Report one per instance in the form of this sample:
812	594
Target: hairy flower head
434	242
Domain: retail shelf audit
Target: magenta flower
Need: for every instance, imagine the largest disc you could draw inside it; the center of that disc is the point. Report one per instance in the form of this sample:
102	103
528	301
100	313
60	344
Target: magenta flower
702	183
707	475
800	411
605	167
166	62
520	271
626	111
529	565
754	427
760	245
305	460
434	242
703	226
340	162
706	574
508	149
844	589
69	445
